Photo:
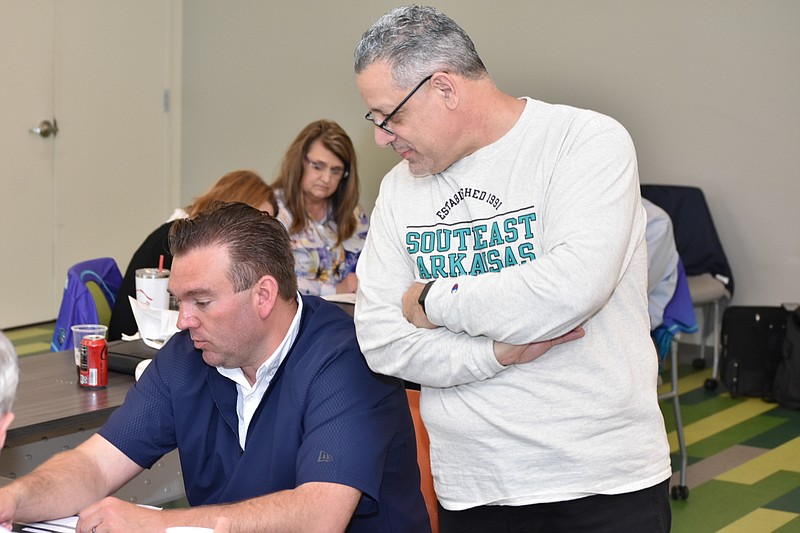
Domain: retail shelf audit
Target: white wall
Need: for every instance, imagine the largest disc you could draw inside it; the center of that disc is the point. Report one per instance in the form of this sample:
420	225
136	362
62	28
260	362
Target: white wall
710	91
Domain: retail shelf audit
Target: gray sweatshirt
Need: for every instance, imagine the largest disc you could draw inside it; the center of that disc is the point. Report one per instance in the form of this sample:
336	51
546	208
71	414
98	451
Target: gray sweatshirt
528	237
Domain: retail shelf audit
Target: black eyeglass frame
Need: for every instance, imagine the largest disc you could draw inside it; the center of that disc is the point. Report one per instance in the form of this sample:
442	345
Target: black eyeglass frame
383	124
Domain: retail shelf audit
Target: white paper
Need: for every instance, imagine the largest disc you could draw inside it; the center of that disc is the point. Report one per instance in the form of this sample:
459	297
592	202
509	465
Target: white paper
156	326
60	525
346	297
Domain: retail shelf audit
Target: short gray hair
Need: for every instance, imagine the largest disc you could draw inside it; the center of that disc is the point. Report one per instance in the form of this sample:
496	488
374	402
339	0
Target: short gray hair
417	41
9	374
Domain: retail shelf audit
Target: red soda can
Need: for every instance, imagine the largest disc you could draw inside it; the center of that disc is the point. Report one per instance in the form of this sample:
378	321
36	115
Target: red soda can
94	362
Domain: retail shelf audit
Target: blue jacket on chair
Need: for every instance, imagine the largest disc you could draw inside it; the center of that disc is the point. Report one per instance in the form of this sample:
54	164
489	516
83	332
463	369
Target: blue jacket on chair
678	316
77	305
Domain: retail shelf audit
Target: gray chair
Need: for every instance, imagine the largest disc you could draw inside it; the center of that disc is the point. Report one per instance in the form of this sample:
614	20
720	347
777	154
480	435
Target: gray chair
671	313
710	295
708	272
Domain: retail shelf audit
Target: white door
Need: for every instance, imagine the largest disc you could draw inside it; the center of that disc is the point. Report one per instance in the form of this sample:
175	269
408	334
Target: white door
26	162
108	67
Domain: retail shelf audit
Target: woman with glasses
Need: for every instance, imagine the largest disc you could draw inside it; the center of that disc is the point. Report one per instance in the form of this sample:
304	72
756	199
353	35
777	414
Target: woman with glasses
317	192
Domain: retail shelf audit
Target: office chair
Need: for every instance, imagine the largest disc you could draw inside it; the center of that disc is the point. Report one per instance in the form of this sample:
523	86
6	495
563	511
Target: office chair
671	313
708	272
90	290
424	460
679	318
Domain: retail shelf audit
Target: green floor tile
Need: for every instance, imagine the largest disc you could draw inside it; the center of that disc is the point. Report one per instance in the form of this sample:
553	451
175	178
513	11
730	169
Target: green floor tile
32	348
696	405
31	340
789	502
715	504
788	429
791	527
747	431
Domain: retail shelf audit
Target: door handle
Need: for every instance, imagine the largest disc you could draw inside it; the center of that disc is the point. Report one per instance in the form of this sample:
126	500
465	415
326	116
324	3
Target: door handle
46	128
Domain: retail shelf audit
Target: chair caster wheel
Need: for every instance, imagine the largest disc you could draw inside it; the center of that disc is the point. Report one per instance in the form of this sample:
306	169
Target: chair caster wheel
699	364
680	492
710	384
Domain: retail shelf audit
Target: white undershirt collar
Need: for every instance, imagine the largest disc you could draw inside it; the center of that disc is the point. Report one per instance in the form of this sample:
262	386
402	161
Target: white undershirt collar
248	397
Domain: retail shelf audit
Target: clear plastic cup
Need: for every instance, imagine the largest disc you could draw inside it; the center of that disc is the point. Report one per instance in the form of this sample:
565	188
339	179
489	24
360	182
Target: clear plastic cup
79	331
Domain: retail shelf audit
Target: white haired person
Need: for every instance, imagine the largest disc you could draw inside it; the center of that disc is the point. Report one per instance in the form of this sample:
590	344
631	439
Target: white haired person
9	377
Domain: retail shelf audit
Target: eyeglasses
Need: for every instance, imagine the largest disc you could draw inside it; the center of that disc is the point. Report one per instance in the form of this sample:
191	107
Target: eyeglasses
382	125
335	172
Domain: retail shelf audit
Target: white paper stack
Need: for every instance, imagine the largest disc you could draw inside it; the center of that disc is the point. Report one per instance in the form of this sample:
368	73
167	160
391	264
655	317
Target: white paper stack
156	326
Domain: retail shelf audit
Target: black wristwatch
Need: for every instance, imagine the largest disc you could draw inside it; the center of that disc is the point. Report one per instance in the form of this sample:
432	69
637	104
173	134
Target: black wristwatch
423	294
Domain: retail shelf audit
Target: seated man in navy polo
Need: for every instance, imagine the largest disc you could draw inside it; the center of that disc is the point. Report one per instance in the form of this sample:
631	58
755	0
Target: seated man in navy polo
280	424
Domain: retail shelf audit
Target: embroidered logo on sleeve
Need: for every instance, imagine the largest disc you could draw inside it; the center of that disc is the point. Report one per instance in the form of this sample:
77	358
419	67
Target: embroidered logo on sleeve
325	457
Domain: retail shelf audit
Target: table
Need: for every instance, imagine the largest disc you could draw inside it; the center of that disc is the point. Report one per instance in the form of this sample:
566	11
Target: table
53	413
50	403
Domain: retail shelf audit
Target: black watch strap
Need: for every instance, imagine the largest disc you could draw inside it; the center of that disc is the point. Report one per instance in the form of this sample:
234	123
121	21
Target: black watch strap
423	294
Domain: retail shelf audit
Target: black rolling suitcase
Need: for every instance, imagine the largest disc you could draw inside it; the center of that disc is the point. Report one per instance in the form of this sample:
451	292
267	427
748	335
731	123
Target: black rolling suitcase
752	348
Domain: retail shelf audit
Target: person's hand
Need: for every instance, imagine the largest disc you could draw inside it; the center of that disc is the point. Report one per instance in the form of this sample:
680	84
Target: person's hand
412	311
512	354
8	508
112	514
348	284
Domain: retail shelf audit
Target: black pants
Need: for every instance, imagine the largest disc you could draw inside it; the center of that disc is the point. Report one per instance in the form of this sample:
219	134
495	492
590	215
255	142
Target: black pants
646	511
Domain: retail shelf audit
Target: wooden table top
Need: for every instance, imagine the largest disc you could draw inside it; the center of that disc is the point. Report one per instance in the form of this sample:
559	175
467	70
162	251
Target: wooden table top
50	402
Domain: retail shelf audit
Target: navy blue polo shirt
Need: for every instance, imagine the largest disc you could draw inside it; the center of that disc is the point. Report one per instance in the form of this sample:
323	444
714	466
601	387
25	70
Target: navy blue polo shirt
325	417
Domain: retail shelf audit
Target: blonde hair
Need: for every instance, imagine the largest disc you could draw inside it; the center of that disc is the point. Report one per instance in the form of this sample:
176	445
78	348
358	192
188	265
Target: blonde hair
238	186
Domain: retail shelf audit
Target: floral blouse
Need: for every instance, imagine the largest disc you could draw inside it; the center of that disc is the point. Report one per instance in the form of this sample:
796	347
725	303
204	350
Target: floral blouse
320	265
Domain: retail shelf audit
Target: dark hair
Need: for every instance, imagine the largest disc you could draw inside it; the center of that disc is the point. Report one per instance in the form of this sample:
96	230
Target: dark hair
416	41
236	186
344	200
257	243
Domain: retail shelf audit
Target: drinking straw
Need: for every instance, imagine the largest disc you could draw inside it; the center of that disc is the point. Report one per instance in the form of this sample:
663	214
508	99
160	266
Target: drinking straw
161	262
